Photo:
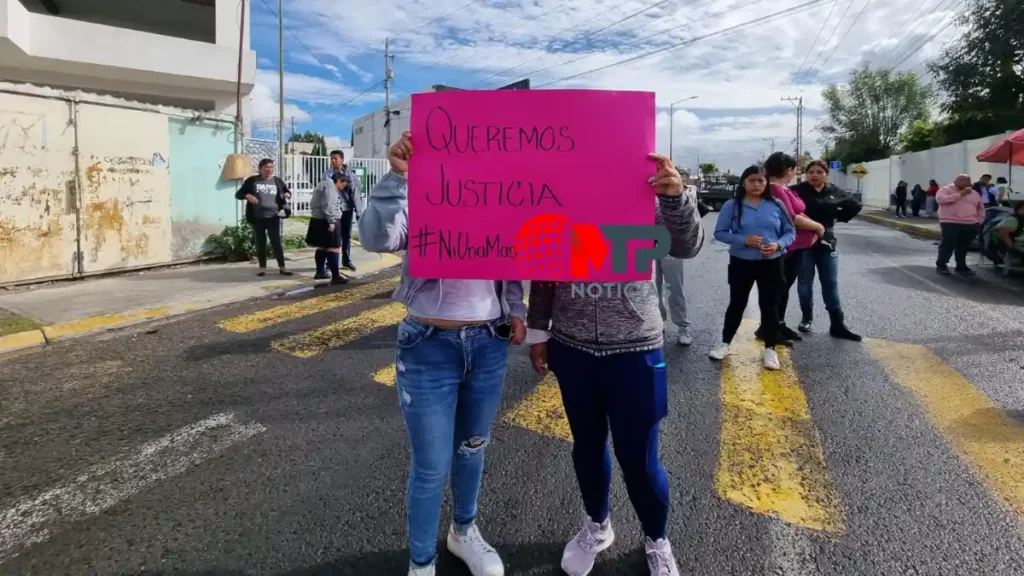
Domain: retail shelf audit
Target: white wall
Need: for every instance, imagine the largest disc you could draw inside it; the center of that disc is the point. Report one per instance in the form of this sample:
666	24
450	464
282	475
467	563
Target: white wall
48	50
942	164
368	133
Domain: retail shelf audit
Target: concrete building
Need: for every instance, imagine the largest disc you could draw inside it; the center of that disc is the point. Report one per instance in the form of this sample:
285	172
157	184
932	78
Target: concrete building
181	53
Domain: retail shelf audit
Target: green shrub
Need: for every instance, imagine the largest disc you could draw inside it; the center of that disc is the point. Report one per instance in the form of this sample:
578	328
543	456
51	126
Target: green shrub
238	244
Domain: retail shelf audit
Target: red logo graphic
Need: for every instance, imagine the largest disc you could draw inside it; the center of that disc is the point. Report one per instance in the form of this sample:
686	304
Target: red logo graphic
541	248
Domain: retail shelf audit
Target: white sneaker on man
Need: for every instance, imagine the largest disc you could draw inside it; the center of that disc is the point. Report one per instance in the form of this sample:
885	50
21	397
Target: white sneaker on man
479	556
660	560
720	352
581	551
424	571
771	359
684	338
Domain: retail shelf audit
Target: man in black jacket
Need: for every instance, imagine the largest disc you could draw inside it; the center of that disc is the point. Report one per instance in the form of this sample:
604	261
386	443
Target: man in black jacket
266	196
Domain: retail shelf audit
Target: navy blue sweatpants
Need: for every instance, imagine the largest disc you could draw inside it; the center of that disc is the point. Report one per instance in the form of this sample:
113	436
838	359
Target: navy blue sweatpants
627	393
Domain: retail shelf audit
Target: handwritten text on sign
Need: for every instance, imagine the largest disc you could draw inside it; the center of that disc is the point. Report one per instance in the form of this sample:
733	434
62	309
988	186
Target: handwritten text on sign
498	179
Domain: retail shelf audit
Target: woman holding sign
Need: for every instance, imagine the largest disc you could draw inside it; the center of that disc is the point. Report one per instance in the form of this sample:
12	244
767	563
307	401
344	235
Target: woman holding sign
450	366
606	352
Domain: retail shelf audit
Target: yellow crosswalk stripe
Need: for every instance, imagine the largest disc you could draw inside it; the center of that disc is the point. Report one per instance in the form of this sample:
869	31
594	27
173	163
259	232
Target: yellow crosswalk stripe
387	375
309	344
307	307
983	434
541	411
771	460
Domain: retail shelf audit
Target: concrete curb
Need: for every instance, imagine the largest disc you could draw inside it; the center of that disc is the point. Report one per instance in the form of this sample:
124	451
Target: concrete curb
103	322
915	229
21	340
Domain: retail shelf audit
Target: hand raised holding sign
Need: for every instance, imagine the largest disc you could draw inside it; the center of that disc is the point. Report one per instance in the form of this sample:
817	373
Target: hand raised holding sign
667	182
399	154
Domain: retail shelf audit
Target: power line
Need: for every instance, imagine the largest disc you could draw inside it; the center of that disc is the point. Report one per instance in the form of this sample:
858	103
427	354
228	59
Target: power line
442	17
839	24
358	96
557	7
584	37
838	44
649	36
929	39
770	17
815	43
906	31
329	68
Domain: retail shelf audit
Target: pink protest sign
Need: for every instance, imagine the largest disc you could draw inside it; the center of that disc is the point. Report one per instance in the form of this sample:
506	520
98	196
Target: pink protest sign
501	182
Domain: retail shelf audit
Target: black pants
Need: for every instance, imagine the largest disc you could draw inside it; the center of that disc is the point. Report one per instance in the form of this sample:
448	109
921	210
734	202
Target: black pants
792	262
956	240
915	206
346	238
901	206
264	227
743	274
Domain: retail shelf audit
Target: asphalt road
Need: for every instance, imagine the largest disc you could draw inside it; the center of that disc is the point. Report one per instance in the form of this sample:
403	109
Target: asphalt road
235	441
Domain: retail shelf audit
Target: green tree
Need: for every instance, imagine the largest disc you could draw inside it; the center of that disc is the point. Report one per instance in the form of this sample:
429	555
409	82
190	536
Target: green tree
866	117
708	168
314	138
922	135
981	74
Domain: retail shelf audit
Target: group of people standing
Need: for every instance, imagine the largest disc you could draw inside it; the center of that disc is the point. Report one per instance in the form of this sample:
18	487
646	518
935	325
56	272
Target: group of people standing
606	352
779	236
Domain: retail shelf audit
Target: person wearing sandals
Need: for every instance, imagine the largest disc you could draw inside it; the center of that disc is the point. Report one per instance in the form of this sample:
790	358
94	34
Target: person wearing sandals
324	231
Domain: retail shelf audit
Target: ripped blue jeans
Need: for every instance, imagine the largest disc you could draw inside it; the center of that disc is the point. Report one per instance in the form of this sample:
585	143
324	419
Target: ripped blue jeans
449	389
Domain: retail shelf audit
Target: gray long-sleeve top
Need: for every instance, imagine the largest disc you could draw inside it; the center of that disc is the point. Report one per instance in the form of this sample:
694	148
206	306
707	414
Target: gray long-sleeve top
326	202
624	317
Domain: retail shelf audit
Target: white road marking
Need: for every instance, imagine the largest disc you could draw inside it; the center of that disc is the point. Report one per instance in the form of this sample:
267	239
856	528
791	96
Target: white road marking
31	520
791	552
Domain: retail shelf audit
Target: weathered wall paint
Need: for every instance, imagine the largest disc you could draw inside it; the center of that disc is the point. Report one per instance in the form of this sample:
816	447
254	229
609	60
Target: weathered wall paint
201	203
126	197
37	193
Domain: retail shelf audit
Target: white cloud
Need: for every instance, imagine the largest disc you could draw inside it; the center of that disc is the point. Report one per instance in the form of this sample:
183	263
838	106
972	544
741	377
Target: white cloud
739	77
265	107
311	89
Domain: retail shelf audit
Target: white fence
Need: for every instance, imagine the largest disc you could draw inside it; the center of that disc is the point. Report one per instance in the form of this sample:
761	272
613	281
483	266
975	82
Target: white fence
302	173
941	164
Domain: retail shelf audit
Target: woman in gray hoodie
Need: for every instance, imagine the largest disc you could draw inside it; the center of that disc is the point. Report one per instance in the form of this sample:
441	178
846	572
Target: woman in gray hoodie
606	352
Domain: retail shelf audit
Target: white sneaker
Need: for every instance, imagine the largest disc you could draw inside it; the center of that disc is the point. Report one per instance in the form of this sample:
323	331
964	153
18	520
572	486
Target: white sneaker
720	352
581	551
659	558
479	556
771	359
684	338
424	571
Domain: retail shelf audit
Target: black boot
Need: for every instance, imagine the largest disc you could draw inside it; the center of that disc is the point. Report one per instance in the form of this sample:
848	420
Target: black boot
789	334
839	329
807	318
780	340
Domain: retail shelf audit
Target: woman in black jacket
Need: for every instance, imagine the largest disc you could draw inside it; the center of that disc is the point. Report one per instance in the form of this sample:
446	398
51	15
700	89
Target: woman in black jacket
826	205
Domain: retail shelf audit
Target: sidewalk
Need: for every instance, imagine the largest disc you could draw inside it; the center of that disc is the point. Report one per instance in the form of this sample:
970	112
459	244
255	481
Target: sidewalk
922	227
75	308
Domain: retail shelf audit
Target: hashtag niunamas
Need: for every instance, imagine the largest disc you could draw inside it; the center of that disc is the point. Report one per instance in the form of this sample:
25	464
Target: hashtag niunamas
453	245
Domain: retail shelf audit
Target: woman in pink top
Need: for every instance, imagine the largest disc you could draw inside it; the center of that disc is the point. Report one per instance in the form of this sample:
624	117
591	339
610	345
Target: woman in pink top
961	213
781	169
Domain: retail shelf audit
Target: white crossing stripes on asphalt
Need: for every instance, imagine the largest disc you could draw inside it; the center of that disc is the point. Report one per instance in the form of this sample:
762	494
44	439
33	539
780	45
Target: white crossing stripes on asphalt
32	519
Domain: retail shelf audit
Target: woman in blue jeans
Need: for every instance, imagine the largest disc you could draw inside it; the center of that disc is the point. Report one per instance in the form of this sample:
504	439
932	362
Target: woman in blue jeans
606	352
826	205
450	365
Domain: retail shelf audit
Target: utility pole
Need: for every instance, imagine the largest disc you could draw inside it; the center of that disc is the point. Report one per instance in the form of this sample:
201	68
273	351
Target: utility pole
672	123
772	141
280	78
799	126
388	75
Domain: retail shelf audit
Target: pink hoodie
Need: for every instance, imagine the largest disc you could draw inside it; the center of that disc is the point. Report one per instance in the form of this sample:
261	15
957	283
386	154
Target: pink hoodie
957	209
794	206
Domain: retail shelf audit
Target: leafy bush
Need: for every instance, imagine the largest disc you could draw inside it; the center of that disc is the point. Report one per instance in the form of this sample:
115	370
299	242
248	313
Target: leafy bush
238	243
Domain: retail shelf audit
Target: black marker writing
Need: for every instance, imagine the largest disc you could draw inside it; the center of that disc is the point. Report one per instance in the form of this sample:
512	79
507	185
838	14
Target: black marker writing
470	193
445	134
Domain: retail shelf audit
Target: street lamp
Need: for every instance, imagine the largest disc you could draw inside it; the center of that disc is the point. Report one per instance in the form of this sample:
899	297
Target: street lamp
672	123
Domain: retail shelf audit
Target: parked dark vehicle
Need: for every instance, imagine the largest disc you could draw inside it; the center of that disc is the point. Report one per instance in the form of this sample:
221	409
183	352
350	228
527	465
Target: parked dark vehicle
716	189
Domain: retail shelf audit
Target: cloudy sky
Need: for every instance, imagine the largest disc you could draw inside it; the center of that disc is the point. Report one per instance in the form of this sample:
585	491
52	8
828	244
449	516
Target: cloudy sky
733	55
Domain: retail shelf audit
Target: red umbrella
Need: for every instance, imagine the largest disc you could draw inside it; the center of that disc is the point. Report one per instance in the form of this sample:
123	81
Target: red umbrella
1009	150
